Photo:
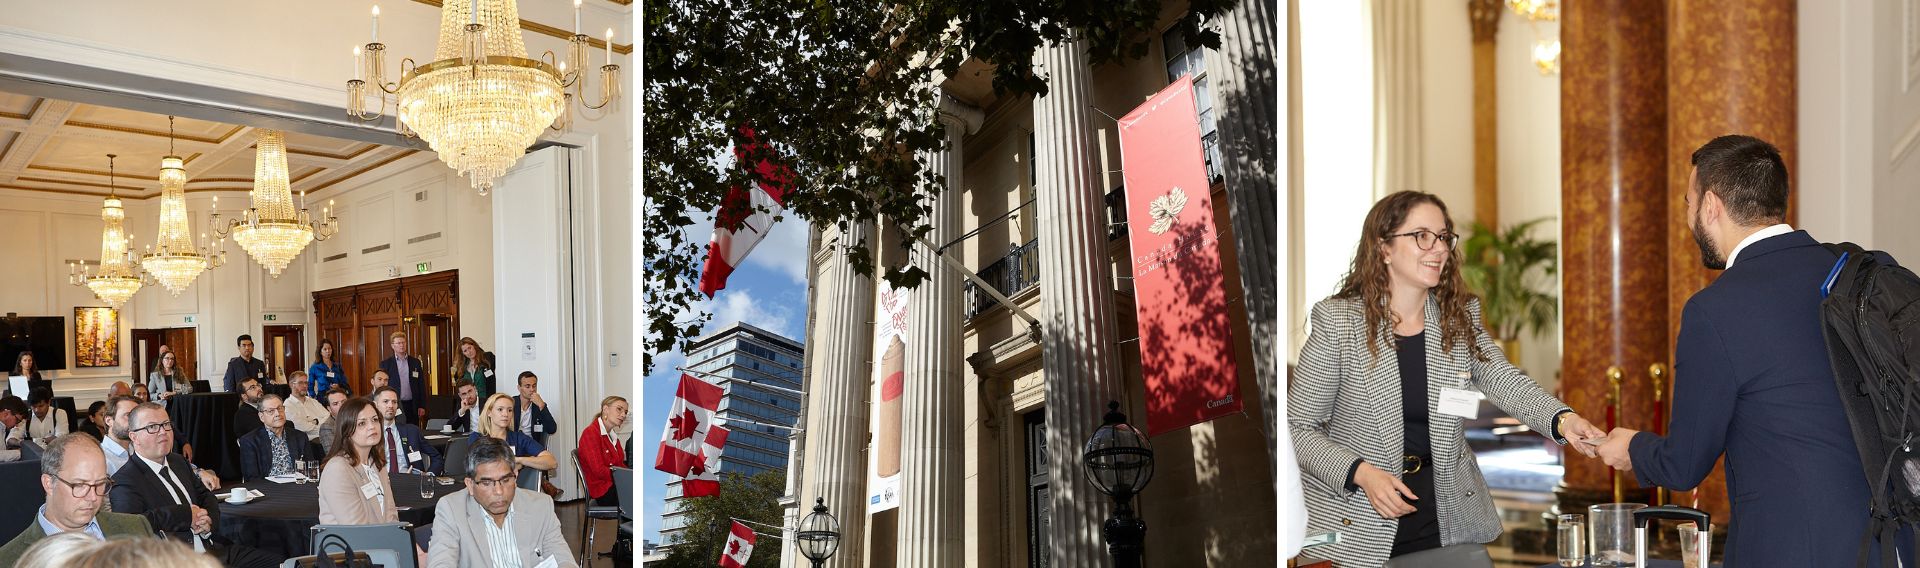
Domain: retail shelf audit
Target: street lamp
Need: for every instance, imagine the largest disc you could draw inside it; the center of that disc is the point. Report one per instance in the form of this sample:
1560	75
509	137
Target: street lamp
819	534
1120	463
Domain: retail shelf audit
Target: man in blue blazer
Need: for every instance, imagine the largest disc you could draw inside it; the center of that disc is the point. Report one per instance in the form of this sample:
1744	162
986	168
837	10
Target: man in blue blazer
406	447
1752	377
258	459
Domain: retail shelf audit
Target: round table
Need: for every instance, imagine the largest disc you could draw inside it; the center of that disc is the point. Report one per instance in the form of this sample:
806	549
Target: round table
282	521
205	419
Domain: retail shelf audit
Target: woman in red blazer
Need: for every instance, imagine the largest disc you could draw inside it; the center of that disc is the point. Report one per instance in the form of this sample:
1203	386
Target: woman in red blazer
600	451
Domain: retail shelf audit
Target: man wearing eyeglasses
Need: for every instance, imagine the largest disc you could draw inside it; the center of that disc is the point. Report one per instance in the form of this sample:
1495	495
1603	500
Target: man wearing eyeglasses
247	418
13	429
494	524
158	485
272	449
74	475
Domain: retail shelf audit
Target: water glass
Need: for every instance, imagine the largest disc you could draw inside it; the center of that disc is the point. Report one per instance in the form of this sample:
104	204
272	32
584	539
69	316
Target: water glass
426	485
1690	544
1572	541
1610	531
300	469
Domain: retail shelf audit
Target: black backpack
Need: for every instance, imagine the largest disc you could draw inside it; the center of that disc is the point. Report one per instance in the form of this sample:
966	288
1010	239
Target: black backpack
1870	316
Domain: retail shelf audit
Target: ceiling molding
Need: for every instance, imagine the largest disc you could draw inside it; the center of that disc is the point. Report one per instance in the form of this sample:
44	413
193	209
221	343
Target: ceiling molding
356	173
557	33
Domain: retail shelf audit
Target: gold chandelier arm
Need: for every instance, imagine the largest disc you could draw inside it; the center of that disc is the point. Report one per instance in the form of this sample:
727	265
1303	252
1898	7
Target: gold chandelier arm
609	87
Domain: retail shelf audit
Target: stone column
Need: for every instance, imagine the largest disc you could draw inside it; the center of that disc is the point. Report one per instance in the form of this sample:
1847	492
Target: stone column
1245	80
839	354
797	438
1613	102
1733	73
1078	351
932	529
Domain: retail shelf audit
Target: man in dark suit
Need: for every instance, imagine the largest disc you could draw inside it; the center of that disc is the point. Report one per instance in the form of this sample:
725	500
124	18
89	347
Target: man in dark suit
74	476
272	449
462	420
406	447
530	414
159	485
1753	378
244	365
247	418
407	375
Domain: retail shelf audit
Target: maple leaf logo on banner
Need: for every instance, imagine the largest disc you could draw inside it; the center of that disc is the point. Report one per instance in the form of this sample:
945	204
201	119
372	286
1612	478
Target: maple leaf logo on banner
1165	209
684	424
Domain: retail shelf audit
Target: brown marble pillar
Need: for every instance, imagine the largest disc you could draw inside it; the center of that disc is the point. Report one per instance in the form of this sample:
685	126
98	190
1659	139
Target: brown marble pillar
1731	71
1485	15
1613	106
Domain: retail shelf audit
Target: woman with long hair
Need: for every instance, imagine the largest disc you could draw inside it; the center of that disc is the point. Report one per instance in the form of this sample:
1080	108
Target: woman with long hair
325	371
497	422
354	486
167	379
23	367
475	364
600	451
1395	361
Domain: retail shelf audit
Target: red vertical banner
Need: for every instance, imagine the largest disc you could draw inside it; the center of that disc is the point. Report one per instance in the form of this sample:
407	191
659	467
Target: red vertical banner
1186	340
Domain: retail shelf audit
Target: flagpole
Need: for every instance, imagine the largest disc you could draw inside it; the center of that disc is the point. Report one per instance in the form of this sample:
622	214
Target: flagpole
744	421
750	382
1033	325
762	525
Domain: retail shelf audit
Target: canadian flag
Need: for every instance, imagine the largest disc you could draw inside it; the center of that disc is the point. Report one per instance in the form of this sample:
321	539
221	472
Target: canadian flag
693	407
745	215
739	547
704	478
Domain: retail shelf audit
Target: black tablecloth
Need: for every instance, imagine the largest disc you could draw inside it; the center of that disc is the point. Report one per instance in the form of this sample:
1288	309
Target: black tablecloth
73	417
282	522
206	421
24	497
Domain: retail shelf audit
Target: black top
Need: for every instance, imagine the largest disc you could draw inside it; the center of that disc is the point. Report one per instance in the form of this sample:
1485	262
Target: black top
1412	357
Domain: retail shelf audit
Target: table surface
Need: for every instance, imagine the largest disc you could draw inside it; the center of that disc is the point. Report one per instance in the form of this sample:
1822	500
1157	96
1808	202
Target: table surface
280	520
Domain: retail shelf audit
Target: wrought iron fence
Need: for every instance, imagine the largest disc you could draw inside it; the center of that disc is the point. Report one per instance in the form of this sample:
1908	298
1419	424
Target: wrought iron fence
1011	274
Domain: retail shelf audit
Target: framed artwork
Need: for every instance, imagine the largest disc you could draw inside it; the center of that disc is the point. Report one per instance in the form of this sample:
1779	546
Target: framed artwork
96	337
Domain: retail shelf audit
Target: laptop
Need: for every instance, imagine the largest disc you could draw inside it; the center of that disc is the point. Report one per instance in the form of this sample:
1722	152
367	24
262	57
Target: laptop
202	386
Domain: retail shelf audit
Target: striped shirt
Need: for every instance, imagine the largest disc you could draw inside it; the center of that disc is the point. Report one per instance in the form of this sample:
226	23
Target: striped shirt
500	545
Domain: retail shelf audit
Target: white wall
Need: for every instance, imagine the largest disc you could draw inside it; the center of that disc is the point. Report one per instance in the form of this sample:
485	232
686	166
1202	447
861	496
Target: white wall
1446	45
1529	132
1859	120
534	295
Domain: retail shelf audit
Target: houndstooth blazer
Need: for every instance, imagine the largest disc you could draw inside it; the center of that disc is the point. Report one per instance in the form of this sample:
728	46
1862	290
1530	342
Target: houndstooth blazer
1344	404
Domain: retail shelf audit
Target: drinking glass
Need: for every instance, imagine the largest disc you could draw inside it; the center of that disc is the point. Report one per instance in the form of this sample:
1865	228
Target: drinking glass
1610	531
1572	531
1690	544
300	469
426	485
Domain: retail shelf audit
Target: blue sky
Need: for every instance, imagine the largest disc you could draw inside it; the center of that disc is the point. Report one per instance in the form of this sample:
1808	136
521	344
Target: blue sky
769	291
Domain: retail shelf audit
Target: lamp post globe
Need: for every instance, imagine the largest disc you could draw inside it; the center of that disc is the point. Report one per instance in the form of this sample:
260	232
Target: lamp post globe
819	534
1119	461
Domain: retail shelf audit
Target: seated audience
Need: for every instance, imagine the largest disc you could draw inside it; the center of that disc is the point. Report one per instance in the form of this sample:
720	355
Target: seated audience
73	473
96	423
13	421
355	488
141	393
119	388
47	422
497	423
600	451
305	413
168	379
247	418
407	449
530	414
154	484
119	422
469	405
72	550
336	397
493	522
272	449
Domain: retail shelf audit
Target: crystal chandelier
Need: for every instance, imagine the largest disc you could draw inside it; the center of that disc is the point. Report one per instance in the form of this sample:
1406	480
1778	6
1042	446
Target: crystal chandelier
177	260
1546	50
273	232
481	103
116	282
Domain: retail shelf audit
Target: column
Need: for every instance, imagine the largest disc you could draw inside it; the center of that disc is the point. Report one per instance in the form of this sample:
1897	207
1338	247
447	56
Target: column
1613	103
1245	80
1733	74
838	352
1078	355
1485	17
932	529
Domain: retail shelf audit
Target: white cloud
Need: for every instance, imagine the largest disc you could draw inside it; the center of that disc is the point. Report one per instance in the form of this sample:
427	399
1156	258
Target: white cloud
784	250
736	305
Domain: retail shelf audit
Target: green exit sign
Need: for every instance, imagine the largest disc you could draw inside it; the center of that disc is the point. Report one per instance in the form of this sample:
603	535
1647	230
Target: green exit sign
423	267
189	319
271	317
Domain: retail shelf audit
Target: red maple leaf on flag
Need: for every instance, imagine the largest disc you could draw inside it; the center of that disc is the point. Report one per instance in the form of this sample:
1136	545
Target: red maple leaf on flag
699	467
733	548
684	424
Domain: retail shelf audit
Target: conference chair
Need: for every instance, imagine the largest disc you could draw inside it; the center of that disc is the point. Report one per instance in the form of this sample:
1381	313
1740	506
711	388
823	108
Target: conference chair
435	425
456	465
623	482
593	513
396	538
377	557
529	479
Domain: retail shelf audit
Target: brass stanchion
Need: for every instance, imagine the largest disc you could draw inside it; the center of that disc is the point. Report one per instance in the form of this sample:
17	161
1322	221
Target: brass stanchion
1658	372
1614	376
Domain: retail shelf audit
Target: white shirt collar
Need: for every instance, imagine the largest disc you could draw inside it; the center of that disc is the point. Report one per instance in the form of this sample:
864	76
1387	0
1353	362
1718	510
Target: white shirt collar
156	466
1757	236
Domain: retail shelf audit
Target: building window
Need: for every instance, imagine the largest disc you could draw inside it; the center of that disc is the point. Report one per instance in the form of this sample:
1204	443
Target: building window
1039	508
1184	61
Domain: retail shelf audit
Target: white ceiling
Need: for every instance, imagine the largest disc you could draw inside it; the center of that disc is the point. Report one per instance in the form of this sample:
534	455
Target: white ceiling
61	147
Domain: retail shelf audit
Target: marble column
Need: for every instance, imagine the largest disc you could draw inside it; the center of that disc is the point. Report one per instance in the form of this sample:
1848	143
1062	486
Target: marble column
1613	102
1484	15
839	355
1245	79
1733	72
932	530
1078	353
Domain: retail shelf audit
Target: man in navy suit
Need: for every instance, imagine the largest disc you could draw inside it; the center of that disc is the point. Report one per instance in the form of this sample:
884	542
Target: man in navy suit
273	448
406	447
530	414
1752	377
160	485
408	377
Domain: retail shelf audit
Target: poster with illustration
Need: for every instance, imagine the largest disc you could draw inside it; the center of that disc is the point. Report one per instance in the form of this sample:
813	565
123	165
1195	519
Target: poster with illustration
889	344
96	337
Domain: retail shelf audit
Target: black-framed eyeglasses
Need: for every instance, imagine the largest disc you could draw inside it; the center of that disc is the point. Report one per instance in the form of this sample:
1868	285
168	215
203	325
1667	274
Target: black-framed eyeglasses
81	490
154	428
496	483
1425	238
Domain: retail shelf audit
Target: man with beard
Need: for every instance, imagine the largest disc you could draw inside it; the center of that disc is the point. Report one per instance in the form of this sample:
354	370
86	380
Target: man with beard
1753	380
247	418
74	475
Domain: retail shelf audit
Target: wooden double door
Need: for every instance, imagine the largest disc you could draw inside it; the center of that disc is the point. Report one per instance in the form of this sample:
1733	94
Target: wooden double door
360	321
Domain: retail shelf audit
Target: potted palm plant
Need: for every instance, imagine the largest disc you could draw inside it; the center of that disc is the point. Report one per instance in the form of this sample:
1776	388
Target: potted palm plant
1509	270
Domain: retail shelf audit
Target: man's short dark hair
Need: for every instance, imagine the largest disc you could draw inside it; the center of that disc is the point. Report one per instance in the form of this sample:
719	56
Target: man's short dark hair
1748	175
243	337
113	404
56	453
524	375
333	390
13	404
376	392
37	396
488	450
461	383
248	379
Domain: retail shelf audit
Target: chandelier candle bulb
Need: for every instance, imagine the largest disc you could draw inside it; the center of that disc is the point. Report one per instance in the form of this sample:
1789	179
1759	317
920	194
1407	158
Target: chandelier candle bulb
576	17
609	46
376	23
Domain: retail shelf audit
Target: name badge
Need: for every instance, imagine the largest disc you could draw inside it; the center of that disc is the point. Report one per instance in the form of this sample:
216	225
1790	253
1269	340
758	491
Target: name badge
550	562
370	490
416	374
329	374
260	375
488	373
1460	402
413	456
538	428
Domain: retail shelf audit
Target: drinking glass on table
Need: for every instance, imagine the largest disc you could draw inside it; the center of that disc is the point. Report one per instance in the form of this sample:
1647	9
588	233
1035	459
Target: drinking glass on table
1572	540
426	485
300	469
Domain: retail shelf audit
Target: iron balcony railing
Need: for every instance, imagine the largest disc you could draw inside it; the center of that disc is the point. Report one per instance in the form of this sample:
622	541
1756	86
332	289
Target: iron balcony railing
1011	275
